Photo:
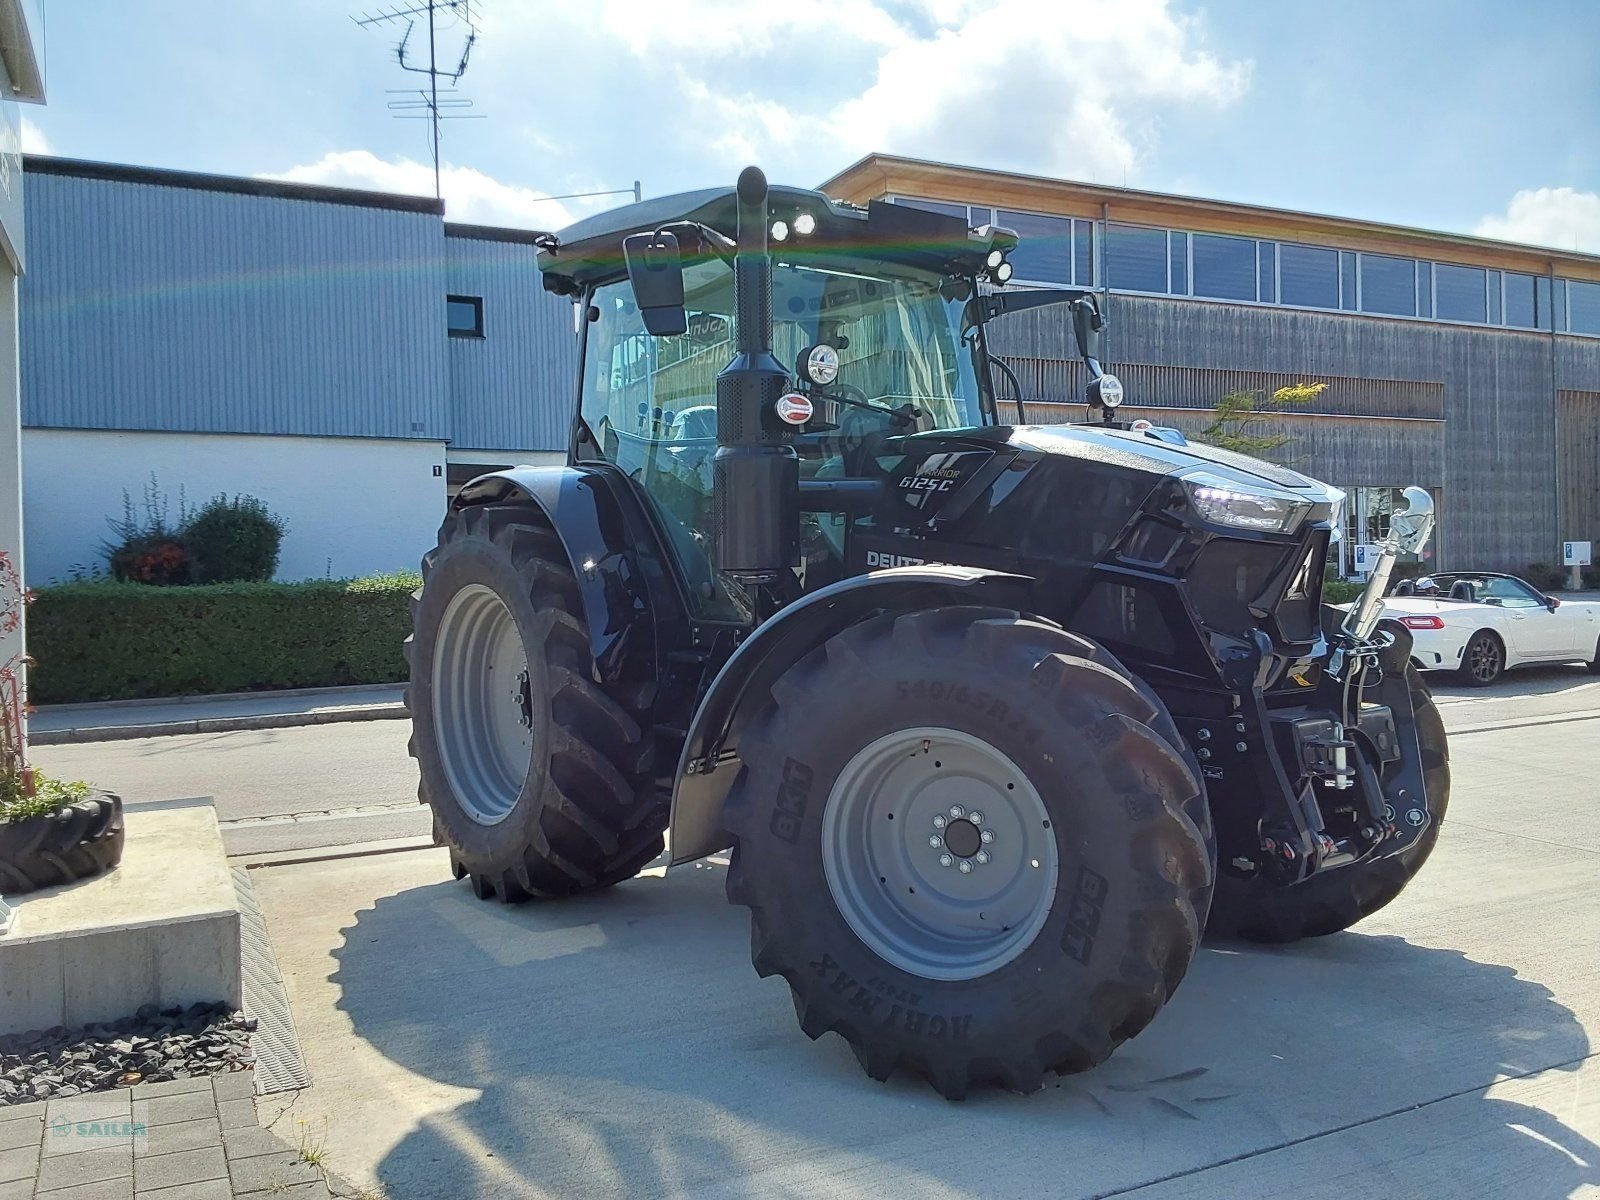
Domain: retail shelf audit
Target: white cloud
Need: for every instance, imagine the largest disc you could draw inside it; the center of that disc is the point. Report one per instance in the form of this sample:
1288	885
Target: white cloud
1080	89
34	140
1562	217
469	195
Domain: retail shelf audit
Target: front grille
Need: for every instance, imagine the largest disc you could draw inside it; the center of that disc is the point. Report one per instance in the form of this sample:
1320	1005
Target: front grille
1228	577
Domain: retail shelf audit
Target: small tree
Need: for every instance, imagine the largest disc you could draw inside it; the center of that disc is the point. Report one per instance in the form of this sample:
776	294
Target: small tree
1238	414
149	550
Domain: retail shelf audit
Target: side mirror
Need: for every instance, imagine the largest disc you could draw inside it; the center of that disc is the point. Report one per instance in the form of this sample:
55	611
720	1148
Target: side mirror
1086	325
656	273
1552	602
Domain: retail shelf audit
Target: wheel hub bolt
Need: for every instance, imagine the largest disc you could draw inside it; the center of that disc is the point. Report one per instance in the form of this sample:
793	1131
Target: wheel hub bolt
939	822
936	841
946	860
986	835
957	811
966	867
982	857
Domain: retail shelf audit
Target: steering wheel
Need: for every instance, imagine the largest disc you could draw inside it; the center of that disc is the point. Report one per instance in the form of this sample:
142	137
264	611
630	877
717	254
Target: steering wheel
844	393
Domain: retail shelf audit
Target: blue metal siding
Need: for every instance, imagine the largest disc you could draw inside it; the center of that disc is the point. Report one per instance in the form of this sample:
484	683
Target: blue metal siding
154	307
514	387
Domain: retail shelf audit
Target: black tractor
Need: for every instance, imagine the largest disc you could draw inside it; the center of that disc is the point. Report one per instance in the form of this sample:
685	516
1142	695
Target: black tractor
994	721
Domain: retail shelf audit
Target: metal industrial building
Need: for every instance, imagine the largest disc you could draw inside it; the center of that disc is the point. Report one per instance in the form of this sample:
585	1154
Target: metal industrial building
345	355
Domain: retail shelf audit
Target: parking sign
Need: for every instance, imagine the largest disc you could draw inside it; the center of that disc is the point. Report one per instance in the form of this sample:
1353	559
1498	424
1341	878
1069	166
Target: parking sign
1576	554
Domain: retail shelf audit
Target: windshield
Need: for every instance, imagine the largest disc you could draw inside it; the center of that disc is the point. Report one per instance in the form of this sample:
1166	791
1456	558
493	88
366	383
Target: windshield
907	364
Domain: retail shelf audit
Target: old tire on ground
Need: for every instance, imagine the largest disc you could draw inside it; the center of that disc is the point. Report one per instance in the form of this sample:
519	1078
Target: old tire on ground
1258	911
967	735
538	779
1483	661
76	841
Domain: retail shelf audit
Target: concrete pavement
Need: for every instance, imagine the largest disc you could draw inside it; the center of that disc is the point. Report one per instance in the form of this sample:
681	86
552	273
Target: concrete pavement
121	719
621	1044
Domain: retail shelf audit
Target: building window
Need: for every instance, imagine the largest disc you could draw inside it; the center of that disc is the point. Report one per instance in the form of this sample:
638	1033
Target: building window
938	206
1267	269
1583	307
1527	301
1494	297
465	316
1136	258
1388	285
1460	292
1178	262
1424	289
1224	267
1309	276
1085	243
1045	253
1349	295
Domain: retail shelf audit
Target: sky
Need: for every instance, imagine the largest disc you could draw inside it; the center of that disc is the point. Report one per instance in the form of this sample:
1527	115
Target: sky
1461	115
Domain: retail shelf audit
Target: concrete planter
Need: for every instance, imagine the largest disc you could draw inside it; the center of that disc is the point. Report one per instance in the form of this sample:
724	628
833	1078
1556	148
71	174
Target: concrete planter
76	841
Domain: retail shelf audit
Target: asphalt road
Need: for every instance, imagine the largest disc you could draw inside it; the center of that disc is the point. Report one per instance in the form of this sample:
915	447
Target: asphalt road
332	785
621	1045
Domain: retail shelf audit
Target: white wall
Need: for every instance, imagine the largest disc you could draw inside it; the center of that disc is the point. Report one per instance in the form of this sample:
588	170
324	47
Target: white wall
354	506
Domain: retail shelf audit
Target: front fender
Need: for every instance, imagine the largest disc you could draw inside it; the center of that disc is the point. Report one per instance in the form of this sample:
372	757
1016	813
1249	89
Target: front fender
710	760
629	601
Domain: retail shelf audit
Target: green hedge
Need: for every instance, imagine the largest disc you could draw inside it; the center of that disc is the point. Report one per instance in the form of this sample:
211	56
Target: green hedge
104	640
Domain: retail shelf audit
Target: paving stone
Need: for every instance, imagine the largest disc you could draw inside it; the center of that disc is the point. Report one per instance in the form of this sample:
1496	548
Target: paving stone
237	1114
17	1189
295	1191
70	1170
171	1087
185	1135
14	1134
18	1112
266	1171
104	1189
96	1106
20	1163
235	1085
169	1110
185	1166
210	1189
251	1140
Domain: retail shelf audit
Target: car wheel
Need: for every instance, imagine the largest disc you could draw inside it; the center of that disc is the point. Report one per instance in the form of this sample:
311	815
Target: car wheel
1594	659
1483	661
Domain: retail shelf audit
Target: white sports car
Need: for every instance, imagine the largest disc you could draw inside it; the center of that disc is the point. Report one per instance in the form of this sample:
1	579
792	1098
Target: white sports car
1479	624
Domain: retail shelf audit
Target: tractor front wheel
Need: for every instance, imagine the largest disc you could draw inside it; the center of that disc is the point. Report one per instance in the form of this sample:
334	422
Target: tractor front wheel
537	777
971	845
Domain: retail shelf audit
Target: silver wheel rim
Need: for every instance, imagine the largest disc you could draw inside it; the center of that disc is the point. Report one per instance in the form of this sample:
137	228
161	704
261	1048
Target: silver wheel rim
939	853
482	704
1485	662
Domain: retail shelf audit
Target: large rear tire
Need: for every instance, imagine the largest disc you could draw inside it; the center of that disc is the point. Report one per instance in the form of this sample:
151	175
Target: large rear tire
538	779
971	844
76	841
1257	910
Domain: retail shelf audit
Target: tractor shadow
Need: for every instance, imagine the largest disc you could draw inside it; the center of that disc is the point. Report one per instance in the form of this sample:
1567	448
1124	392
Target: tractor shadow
621	1045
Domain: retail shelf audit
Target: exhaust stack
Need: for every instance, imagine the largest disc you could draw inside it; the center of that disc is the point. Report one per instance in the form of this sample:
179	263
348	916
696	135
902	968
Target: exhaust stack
755	474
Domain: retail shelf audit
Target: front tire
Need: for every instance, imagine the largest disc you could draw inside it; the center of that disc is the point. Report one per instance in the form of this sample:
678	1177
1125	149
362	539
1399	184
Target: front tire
1257	910
1483	661
538	779
884	762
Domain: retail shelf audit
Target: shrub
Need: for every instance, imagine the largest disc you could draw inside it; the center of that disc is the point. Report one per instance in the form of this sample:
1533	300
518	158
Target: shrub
232	541
105	640
1545	577
1340	591
148	549
1591	577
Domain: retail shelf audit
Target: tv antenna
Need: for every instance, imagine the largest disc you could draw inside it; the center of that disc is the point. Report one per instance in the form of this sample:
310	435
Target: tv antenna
424	103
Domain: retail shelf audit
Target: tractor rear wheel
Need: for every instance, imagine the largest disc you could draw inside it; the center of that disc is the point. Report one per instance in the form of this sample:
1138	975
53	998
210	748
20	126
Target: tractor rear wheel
971	844
537	778
1257	910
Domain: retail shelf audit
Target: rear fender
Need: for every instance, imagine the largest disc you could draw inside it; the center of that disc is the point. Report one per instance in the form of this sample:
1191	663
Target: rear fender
710	760
629	600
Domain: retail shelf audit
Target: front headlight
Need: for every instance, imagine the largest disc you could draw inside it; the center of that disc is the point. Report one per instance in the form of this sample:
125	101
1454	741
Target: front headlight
1226	502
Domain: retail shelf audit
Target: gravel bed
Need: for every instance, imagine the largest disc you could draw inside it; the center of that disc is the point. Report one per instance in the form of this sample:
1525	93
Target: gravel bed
151	1046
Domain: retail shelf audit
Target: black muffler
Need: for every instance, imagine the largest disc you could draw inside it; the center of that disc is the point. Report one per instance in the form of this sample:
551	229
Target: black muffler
755	475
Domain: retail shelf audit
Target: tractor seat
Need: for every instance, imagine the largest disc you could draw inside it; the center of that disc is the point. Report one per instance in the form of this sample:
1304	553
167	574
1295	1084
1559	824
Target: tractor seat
1462	590
1405	588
